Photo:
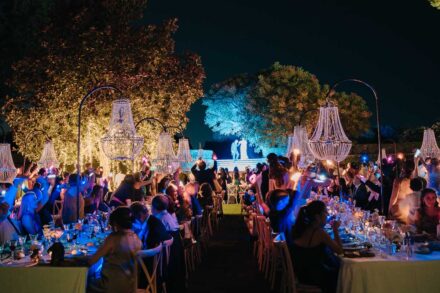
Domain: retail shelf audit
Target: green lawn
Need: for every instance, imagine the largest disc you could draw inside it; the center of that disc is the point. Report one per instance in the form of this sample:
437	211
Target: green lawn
231	209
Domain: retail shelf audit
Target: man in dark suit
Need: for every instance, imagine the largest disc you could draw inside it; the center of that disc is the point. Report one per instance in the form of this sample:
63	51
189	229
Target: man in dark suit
204	175
150	229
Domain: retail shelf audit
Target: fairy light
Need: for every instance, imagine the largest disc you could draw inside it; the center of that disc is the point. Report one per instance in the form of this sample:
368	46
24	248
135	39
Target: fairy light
400	156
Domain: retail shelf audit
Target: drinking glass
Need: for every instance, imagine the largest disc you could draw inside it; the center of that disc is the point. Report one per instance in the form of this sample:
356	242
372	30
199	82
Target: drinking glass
22	240
34	238
12	245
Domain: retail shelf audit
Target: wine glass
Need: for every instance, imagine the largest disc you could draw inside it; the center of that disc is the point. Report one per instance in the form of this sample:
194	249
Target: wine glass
12	245
34	238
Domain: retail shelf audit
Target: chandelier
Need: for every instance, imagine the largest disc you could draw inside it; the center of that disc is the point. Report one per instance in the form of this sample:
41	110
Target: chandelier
329	141
48	157
121	141
165	161
301	146
290	142
184	154
429	146
7	167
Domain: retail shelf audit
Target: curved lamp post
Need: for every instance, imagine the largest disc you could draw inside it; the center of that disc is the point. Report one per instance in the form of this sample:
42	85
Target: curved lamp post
379	145
26	138
78	143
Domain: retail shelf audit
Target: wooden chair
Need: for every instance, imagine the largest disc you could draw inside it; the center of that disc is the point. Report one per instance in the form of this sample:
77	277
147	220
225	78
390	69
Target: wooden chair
165	259
232	194
57	212
288	281
156	254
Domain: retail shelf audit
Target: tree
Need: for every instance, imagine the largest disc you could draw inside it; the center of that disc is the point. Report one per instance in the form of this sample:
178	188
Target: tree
264	108
95	43
435	3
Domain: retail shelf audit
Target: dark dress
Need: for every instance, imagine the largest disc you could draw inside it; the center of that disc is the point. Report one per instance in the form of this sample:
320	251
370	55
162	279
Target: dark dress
427	223
315	266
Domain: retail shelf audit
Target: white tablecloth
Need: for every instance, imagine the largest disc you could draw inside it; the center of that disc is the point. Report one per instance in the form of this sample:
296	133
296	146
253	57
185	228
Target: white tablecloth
419	274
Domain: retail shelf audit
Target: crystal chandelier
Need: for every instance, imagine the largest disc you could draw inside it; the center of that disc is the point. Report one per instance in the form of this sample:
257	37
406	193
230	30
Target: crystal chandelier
121	141
329	141
429	146
301	147
165	161
48	157
184	154
7	167
290	142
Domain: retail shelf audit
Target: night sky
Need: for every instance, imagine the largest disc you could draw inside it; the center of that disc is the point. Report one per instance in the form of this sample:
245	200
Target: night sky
393	45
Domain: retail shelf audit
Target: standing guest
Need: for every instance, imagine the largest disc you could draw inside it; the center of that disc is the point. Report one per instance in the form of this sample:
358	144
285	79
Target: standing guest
122	196
428	215
262	181
70	200
312	249
119	250
204	175
433	168
95	201
28	214
224	179
401	187
205	195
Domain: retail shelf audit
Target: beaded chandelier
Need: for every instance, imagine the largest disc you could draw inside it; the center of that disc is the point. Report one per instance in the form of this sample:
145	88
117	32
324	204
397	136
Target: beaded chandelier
48	157
329	141
429	146
165	161
7	167
301	145
184	154
121	141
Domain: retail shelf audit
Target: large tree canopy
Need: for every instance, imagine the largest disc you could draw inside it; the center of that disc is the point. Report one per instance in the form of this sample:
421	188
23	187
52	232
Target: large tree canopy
265	107
96	43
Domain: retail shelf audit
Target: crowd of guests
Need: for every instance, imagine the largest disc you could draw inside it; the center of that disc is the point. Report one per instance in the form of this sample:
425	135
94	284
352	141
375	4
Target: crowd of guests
145	210
404	189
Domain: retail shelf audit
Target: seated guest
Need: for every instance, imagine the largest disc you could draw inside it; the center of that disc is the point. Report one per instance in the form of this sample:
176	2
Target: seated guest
428	215
249	197
150	229
312	247
28	214
118	251
176	268
280	204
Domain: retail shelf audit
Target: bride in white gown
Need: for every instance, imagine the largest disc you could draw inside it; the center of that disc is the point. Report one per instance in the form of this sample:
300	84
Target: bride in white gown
243	149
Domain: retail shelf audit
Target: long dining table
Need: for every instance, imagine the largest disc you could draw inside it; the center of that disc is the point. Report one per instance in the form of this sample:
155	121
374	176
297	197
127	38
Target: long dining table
388	274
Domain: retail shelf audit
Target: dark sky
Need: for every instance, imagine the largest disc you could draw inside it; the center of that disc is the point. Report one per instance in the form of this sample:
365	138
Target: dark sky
393	45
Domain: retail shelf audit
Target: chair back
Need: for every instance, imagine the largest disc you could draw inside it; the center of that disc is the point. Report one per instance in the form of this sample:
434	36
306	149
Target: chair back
288	278
151	276
57	207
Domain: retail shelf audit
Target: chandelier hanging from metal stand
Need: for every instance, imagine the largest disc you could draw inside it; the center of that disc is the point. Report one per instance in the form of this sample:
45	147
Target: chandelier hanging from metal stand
48	157
301	146
121	141
165	161
329	141
8	172
429	146
184	154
